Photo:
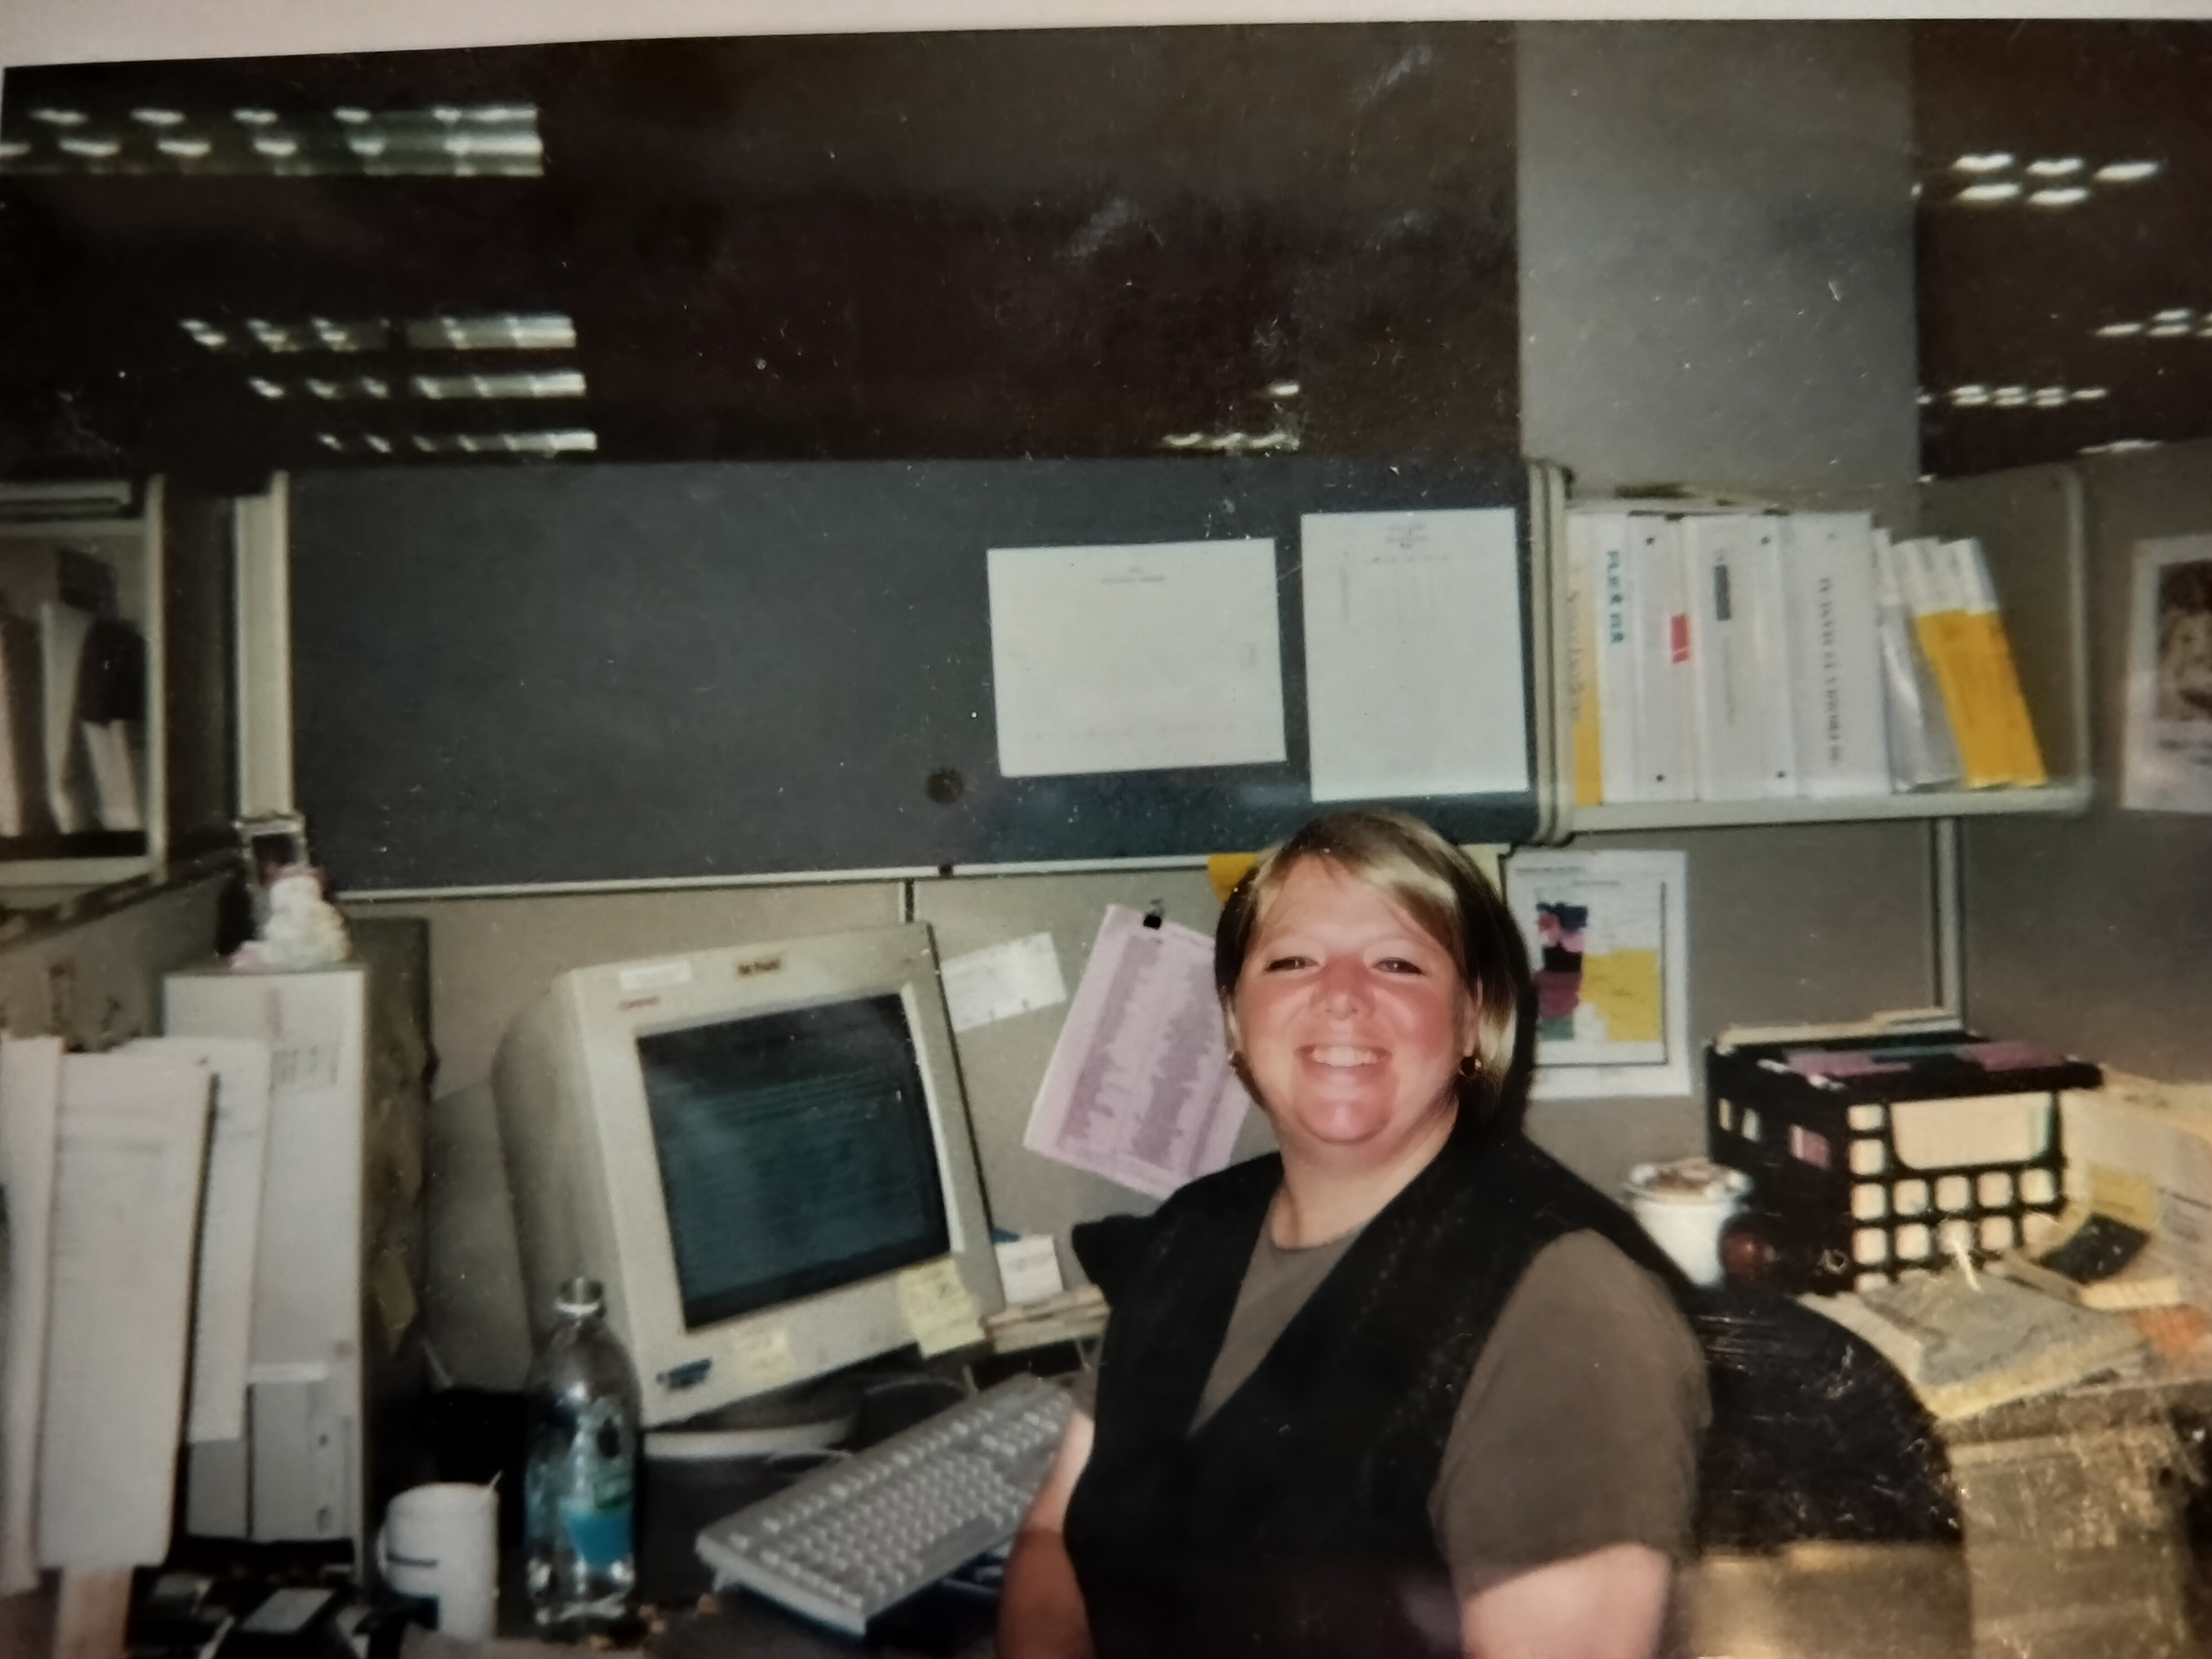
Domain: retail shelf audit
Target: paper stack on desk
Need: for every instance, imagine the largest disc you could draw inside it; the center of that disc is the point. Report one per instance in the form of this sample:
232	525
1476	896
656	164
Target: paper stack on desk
2096	1261
1967	1342
2141	1152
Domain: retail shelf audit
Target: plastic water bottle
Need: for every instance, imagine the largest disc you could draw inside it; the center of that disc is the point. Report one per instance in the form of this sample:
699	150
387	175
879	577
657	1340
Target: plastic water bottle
579	1485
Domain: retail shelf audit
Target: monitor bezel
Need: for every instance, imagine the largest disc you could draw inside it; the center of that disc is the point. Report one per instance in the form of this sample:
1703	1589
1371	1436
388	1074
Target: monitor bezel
683	1371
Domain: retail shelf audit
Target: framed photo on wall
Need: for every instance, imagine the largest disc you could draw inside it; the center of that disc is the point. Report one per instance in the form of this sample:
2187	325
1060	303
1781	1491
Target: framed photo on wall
2169	687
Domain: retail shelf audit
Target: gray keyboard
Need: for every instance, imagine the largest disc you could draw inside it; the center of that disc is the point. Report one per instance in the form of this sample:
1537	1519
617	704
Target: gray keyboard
857	1536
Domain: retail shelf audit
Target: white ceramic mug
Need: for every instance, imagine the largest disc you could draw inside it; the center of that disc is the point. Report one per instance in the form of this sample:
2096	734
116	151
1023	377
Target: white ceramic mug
440	1542
1683	1205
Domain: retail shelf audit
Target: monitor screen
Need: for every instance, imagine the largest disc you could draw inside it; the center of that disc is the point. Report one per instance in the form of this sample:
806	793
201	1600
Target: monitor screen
795	1153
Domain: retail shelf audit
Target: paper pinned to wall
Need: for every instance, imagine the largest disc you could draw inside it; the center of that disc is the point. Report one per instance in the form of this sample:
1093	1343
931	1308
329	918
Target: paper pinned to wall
1001	981
230	1226
1413	659
1138	1089
127	1200
1606	937
1135	658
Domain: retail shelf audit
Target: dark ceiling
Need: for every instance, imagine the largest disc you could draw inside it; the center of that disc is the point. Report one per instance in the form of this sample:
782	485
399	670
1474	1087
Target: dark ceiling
1068	243
2012	294
1071	243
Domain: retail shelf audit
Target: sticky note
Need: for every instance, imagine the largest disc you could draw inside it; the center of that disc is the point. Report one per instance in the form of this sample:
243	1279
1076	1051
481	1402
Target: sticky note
761	1358
1029	1269
938	1310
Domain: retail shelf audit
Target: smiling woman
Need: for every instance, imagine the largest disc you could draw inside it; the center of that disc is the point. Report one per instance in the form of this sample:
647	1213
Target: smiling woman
1408	1388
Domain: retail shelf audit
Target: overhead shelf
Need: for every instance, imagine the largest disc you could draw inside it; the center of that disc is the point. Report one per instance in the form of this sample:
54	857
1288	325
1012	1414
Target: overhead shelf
2031	525
2059	799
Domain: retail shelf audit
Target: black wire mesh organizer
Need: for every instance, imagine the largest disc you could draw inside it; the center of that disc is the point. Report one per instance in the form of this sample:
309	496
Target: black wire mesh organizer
1816	1125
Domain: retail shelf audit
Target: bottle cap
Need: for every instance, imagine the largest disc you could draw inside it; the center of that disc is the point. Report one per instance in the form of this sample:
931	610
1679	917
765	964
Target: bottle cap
578	1297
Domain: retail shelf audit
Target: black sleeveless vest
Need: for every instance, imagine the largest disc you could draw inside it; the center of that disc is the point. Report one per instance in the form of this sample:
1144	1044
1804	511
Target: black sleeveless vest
1294	1522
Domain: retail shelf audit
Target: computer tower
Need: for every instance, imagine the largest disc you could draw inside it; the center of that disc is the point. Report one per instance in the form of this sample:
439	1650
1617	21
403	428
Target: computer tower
337	1372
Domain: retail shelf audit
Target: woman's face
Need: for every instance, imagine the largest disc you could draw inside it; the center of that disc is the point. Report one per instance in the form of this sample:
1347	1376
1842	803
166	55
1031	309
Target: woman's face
1352	1019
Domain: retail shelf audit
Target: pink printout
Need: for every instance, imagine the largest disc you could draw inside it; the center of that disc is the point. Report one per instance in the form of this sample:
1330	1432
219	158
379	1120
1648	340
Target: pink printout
1139	1089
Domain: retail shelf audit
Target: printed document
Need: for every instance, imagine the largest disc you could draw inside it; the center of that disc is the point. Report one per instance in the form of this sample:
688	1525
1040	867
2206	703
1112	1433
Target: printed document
230	1226
1139	1089
1607	940
126	1199
1135	658
1001	981
1413	664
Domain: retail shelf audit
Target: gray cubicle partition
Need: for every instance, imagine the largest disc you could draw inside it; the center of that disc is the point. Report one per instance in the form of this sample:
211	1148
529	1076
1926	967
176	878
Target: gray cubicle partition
603	673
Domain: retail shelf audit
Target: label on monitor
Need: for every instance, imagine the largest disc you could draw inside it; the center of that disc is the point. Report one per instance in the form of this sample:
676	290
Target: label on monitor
938	1310
655	975
761	1359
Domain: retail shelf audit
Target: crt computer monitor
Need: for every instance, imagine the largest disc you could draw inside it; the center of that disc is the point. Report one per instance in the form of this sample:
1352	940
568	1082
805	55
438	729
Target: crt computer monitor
748	1146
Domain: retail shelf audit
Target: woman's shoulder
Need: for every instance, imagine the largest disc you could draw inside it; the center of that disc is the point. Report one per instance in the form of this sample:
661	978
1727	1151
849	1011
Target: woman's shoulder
1583	1286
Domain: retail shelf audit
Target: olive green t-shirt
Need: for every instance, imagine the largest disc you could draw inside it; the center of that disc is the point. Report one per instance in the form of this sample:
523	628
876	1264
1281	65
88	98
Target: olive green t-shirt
1580	1425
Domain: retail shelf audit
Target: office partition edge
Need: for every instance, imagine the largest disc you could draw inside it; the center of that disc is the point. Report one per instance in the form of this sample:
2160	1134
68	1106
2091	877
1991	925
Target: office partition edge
1946	895
262	536
1552	648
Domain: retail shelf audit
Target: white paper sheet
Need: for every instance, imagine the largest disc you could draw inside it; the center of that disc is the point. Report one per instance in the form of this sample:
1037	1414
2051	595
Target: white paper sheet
230	1227
1029	1269
30	1109
1139	1089
1413	666
127	1200
1131	659
1001	981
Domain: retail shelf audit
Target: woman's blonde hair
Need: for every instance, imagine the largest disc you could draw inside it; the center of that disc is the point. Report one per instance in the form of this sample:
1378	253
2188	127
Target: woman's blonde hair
1435	883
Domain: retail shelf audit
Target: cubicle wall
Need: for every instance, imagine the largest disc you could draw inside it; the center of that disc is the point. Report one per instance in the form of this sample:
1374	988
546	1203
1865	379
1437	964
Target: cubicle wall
1818	922
2095	933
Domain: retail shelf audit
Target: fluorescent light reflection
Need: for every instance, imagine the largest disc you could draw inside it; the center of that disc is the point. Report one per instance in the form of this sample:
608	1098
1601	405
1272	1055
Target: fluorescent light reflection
549	330
2126	172
1995	161
1975	395
2055	166
497	140
572	442
2064	196
2000	191
2120	331
527	383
